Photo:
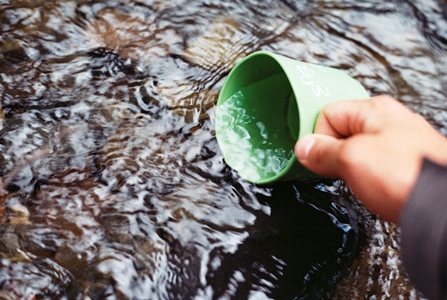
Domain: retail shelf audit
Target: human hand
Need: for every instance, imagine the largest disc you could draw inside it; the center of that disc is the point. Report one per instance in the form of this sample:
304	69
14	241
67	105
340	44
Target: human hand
376	146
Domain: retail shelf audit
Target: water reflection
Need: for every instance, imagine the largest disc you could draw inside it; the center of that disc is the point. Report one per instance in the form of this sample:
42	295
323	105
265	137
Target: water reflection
113	184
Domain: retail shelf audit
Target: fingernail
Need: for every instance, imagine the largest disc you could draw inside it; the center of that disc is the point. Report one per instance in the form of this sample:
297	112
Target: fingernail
304	146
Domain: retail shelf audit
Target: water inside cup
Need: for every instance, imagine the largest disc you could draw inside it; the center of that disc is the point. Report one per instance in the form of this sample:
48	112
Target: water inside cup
257	128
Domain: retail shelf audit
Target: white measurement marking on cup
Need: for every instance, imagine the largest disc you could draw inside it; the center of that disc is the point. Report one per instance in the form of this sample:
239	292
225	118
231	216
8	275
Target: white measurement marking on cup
308	77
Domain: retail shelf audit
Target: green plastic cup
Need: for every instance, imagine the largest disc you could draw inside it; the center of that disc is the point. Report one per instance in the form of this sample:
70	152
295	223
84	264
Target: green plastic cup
266	104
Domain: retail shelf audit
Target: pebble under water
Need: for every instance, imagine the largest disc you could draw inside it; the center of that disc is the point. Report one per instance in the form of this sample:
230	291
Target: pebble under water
112	183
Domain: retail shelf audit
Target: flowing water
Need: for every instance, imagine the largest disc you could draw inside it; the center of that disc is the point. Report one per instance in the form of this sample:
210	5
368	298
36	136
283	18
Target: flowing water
112	183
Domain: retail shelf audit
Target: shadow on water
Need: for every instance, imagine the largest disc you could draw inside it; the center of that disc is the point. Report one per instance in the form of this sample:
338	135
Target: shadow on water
112	183
303	246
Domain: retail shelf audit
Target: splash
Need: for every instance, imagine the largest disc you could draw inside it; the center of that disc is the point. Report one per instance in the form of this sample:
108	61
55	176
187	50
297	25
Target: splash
254	148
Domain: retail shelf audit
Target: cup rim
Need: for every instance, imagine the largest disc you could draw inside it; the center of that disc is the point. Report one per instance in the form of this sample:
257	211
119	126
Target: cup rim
222	99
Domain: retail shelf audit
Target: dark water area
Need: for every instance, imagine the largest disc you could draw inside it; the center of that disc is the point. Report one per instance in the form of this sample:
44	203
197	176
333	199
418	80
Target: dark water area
112	183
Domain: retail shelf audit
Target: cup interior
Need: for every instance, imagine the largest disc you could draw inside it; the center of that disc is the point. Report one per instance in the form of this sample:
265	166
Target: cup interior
257	119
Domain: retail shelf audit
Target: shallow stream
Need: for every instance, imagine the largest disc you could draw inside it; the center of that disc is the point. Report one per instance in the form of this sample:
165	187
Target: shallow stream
112	183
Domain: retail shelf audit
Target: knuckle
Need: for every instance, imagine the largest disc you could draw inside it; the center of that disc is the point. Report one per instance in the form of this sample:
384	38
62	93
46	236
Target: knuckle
384	99
386	102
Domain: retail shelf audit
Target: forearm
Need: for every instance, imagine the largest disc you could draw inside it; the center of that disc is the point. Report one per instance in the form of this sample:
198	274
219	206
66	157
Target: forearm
424	232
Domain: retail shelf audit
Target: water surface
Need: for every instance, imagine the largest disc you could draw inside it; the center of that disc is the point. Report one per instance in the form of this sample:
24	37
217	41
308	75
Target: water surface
113	184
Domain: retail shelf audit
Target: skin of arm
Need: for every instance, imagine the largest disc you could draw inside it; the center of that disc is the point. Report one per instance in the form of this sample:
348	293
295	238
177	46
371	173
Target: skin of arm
376	146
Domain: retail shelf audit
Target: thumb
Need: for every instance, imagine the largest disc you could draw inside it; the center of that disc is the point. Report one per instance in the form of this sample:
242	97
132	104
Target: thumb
319	153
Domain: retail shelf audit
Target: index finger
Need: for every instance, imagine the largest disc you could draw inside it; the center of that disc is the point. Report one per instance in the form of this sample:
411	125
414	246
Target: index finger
345	118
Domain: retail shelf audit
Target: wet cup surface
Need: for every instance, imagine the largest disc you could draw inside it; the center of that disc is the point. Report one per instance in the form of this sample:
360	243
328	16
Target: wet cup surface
266	104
